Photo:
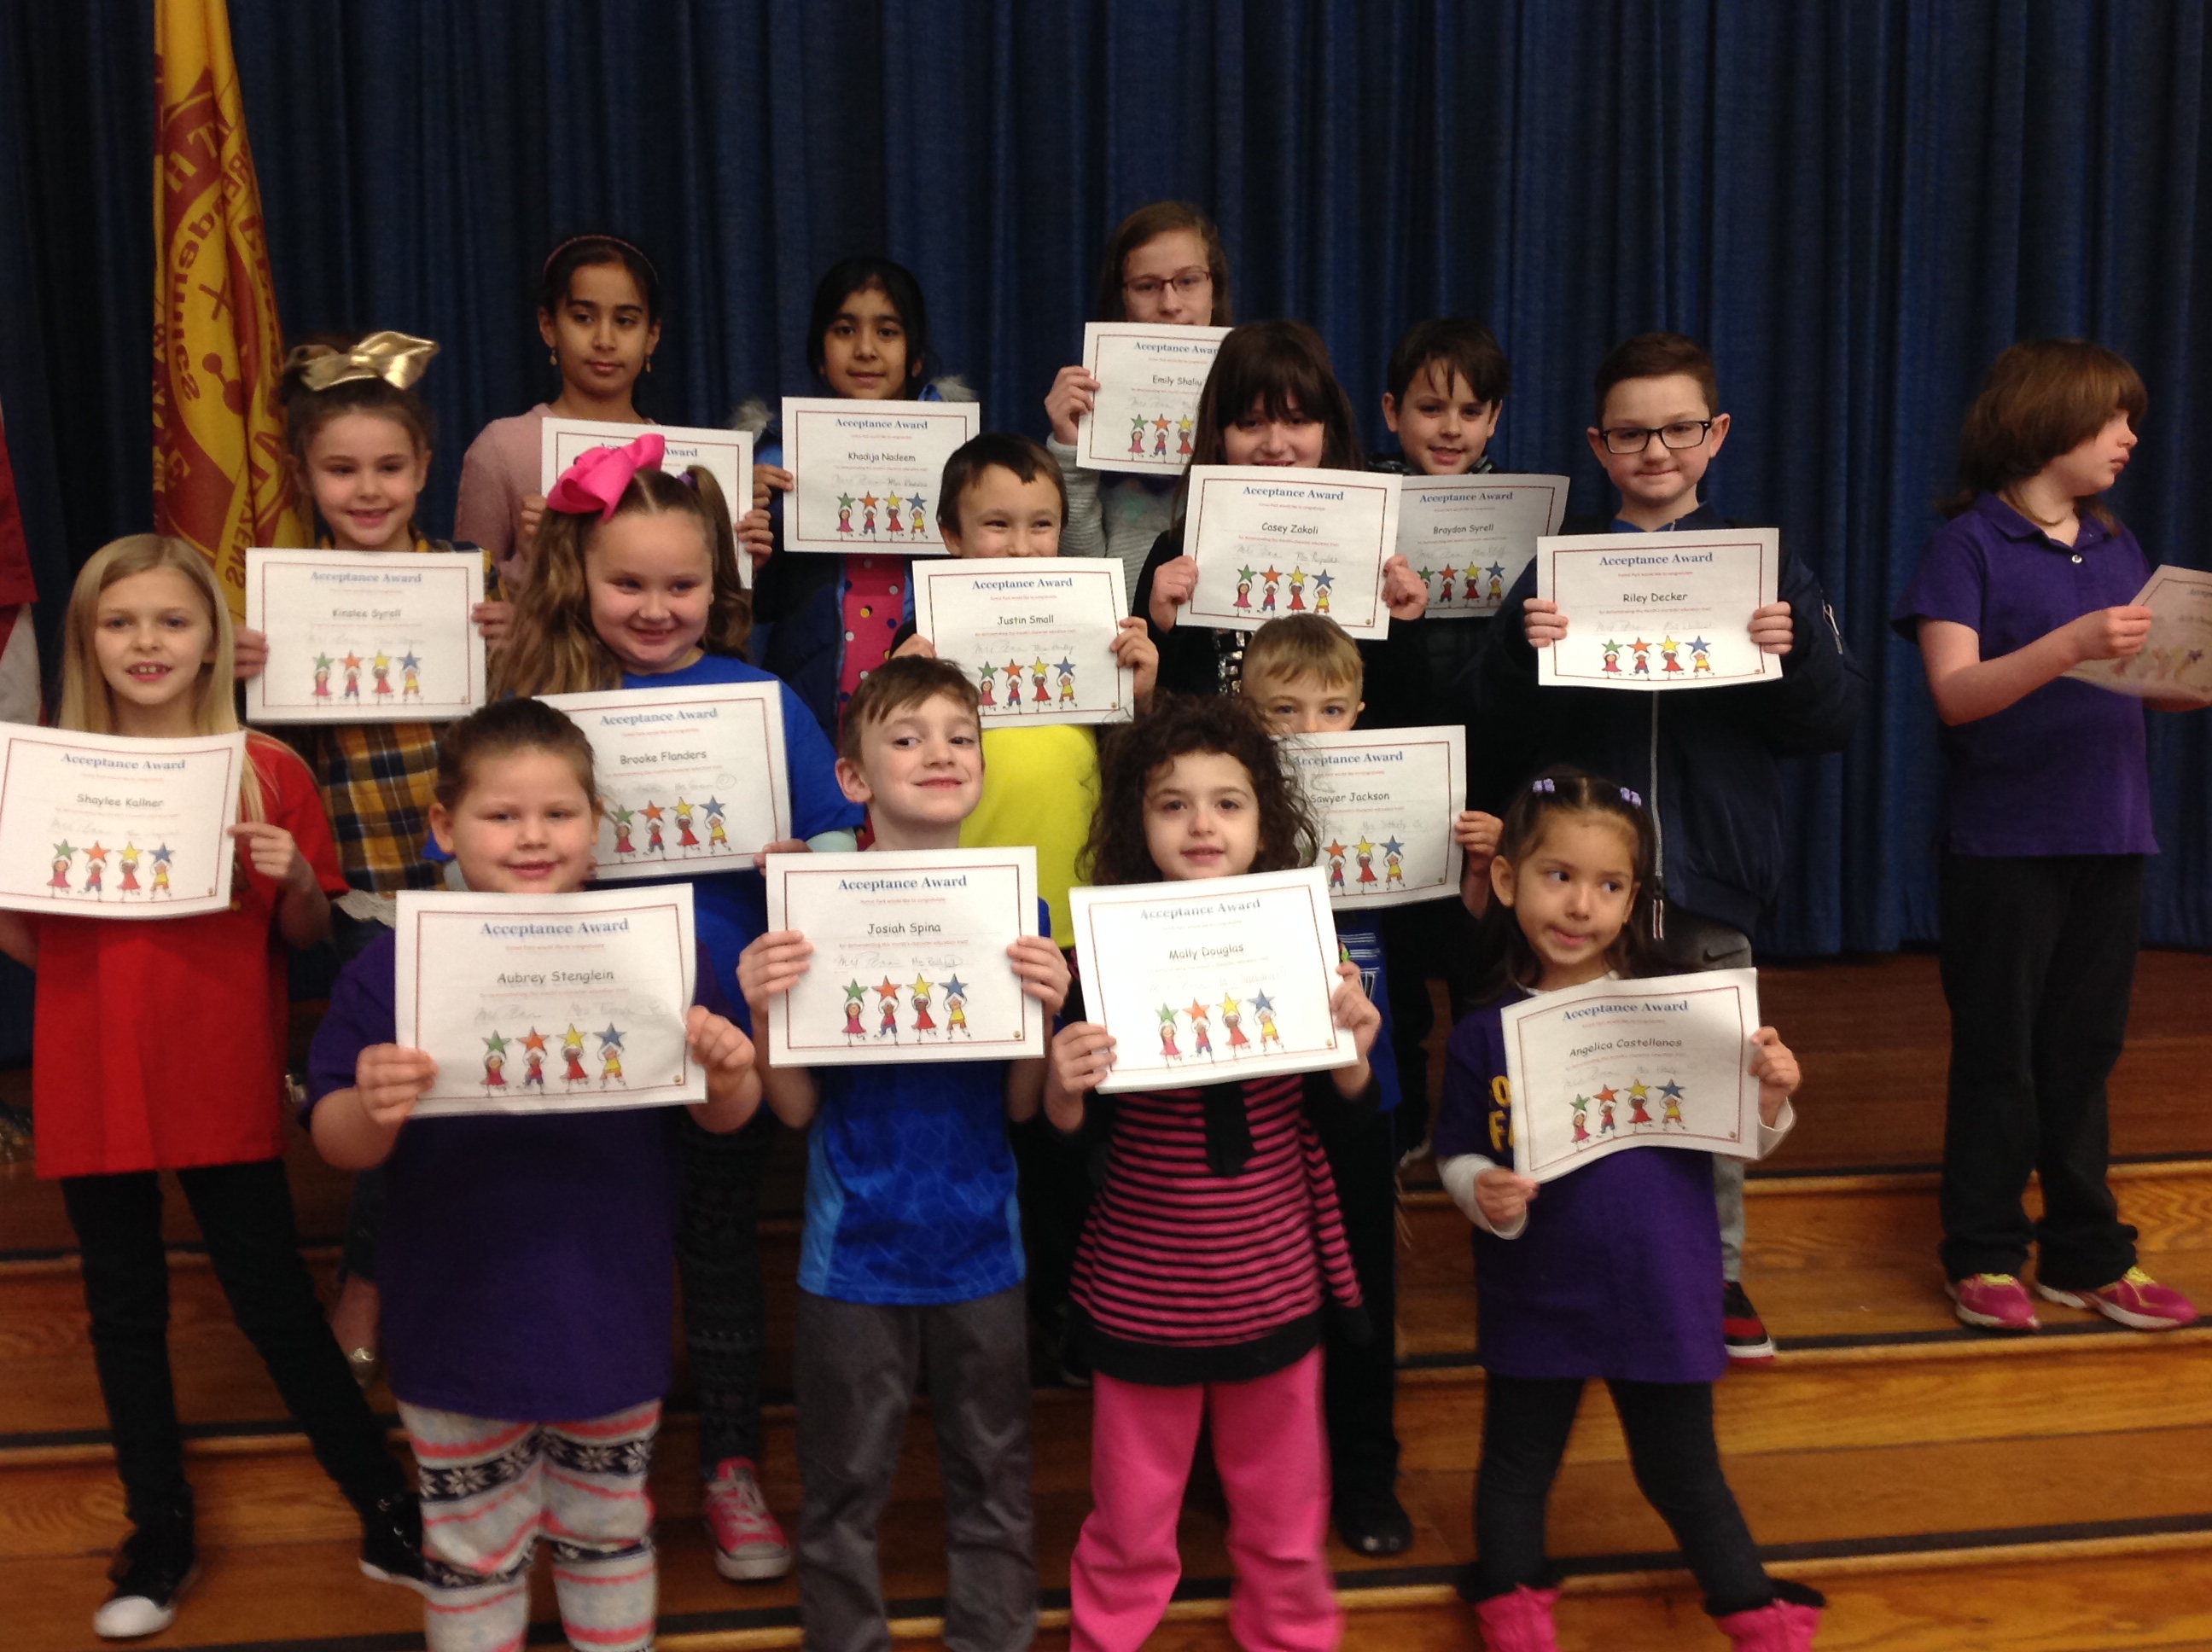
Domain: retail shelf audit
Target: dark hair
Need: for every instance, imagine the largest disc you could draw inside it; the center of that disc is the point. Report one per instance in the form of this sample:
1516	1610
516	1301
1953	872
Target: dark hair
306	411
1277	364
859	274
1562	791
904	681
1453	347
1002	450
503	729
2043	398
1149	223
1178	725
1655	356
579	251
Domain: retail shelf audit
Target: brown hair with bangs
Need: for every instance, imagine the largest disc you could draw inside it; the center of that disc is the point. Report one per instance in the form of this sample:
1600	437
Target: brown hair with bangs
899	685
1282	366
1562	792
1149	223
1304	647
2042	399
1448	348
507	728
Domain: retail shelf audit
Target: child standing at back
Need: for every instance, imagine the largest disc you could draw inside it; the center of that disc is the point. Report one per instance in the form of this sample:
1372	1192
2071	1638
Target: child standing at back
910	1265
2046	822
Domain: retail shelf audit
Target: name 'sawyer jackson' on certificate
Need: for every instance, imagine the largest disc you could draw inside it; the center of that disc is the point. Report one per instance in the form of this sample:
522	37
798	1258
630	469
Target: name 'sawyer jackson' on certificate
365	636
1386	800
864	474
1271	541
1649	611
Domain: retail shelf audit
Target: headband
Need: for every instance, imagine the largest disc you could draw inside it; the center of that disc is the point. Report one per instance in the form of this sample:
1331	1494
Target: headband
394	357
595	483
631	247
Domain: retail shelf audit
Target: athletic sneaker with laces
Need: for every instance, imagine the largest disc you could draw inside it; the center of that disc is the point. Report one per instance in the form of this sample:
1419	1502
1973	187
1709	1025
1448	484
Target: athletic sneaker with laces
1741	1327
2135	1299
392	1541
154	1567
1992	1301
749	1546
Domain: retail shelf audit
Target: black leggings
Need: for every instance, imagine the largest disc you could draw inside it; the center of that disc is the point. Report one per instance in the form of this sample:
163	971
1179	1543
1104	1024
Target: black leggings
1677	1468
725	1311
245	1213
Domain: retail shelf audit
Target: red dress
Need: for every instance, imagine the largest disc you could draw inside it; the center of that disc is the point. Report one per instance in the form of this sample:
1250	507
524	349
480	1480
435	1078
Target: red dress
159	1044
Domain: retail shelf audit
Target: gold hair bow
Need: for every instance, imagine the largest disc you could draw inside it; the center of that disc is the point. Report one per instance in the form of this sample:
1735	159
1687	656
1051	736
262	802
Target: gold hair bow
394	357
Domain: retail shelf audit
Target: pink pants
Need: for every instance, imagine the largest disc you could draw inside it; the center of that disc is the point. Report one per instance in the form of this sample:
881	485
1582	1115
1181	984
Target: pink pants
1269	1446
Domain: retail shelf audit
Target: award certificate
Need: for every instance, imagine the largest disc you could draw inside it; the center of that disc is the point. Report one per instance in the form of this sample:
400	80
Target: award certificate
910	957
1037	633
1223	978
1664	1061
548	1002
365	636
1270	540
1469	536
1150	376
1386	802
1659	611
98	825
2176	662
866	472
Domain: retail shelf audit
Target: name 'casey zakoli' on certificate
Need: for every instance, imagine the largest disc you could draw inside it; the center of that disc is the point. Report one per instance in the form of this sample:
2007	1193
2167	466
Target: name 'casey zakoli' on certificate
909	960
1386	801
1469	536
548	1002
1649	611
864	474
1145	413
1035	632
365	636
1270	540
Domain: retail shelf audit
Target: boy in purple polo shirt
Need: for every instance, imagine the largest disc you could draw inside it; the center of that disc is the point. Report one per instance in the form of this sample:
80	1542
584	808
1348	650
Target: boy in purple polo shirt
2046	822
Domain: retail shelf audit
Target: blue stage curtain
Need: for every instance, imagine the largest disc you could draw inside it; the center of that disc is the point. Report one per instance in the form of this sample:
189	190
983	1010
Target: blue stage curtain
1857	203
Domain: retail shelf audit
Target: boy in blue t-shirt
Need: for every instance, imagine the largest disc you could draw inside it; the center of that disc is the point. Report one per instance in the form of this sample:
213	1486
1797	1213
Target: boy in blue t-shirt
911	1263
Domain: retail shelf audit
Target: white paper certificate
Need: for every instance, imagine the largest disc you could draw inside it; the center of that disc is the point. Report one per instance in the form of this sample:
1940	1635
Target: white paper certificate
1226	978
365	636
909	957
693	779
1272	541
1661	1062
1386	802
97	825
727	455
548	1002
866	472
1150	377
1469	536
1659	611
1035	632
2176	662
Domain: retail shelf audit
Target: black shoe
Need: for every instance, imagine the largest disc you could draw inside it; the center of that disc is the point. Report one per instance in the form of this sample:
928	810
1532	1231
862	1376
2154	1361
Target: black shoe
1741	1327
1376	1525
152	1569
391	1541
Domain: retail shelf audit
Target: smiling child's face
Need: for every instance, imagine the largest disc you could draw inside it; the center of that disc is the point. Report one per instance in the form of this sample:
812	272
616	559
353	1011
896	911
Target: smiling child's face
1201	818
365	473
863	351
525	826
1444	428
1002	515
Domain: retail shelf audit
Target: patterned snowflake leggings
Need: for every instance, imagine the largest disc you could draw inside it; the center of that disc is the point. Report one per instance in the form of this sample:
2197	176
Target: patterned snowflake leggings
490	1488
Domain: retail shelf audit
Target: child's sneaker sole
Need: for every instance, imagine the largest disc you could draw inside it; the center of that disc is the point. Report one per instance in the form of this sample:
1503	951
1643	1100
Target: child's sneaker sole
2110	1311
1986	1322
752	1568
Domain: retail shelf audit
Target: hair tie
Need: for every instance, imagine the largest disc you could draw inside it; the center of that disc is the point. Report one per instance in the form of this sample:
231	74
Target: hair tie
1544	786
1632	798
394	357
598	479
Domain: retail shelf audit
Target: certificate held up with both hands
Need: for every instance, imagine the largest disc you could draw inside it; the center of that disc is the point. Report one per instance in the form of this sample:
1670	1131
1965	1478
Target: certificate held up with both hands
1035	632
1271	540
864	474
1654	611
365	636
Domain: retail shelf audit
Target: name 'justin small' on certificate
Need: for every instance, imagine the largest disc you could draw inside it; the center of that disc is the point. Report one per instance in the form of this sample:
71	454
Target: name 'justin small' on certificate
2175	662
365	636
864	474
1660	1062
1271	540
1386	800
1145	412
909	959
693	780
1654	611
1226	978
548	1002
1037	633
105	826
725	455
1469	536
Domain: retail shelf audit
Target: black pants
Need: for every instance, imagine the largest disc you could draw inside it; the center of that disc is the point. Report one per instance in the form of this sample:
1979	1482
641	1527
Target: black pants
1359	1381
2039	957
718	1258
1678	1468
1428	940
244	1212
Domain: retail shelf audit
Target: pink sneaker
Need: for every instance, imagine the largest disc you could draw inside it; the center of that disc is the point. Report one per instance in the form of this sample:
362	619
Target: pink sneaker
1994	1302
1778	1626
749	1546
1519	1622
2135	1299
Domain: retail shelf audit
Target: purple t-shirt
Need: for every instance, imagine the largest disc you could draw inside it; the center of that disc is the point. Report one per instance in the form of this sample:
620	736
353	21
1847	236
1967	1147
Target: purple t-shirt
525	1262
2062	771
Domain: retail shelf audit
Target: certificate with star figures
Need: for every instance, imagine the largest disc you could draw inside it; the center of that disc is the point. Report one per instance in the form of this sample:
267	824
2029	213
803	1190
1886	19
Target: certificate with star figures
2175	662
548	1002
365	636
1664	1061
1469	536
1223	978
1035	632
910	957
726	455
864	474
1270	540
1150	377
1655	611
1386	801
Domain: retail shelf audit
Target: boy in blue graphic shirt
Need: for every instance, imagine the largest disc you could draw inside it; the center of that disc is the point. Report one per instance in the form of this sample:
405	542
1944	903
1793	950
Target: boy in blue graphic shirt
911	1260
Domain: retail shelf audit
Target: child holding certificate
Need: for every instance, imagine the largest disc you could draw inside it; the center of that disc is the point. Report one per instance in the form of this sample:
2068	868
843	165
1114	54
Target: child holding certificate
637	588
526	1257
1232	1326
1609	1273
2048	818
159	1046
910	1264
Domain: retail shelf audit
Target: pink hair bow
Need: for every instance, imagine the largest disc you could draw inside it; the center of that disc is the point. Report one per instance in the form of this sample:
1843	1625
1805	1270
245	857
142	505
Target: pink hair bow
598	480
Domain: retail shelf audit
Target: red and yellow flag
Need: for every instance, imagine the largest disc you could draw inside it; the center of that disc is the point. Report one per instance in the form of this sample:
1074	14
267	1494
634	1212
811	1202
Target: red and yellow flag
219	475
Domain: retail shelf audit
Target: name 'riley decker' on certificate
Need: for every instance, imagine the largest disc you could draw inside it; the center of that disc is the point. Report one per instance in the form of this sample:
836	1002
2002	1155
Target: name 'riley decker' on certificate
1271	540
864	474
1655	611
